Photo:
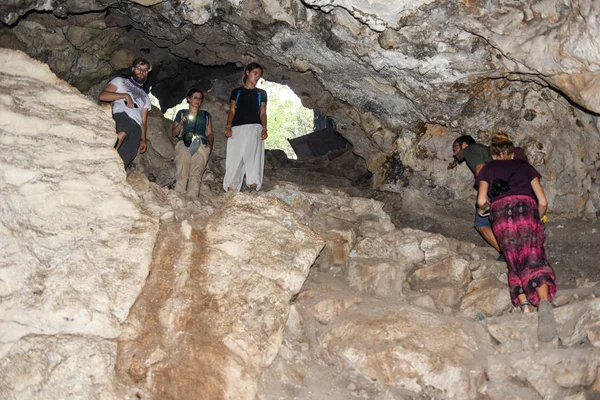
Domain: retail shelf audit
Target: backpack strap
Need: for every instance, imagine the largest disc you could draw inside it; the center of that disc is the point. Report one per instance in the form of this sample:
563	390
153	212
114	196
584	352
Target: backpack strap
237	97
259	93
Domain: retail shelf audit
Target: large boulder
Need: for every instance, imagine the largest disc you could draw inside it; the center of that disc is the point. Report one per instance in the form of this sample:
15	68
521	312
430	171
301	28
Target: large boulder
214	308
76	243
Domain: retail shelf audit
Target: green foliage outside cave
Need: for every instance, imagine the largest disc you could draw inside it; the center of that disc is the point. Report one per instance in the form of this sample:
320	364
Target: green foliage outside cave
286	117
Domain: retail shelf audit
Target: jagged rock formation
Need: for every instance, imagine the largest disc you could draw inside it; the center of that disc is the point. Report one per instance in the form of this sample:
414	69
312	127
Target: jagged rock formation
118	288
215	305
76	242
401	80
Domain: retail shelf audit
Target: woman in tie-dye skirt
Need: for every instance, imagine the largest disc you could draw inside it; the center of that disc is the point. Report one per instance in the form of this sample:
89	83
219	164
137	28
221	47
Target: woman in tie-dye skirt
516	210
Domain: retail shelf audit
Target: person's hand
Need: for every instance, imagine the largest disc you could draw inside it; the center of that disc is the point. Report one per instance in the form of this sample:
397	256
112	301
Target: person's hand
264	135
143	146
179	127
129	101
484	210
228	132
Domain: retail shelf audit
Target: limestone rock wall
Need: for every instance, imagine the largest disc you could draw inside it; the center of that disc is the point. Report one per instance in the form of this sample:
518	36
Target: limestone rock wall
381	70
118	288
404	314
215	306
76	243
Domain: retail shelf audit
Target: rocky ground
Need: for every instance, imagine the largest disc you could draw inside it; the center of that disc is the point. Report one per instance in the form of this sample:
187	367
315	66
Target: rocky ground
309	289
571	243
355	334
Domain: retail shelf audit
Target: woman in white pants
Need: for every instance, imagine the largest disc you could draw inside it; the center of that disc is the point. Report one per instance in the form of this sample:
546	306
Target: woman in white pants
246	131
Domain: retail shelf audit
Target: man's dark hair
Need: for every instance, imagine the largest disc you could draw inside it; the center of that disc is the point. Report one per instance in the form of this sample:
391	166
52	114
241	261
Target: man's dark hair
141	61
191	92
464	139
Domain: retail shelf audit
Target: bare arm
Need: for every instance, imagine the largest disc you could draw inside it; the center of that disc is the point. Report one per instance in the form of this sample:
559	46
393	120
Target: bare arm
232	105
144	125
176	128
263	120
478	168
538	190
482	197
109	94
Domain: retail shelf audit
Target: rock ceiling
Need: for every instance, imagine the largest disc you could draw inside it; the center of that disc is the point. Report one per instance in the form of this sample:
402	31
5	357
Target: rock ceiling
399	78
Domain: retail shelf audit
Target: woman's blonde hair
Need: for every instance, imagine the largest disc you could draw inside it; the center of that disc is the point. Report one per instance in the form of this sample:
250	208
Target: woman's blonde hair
501	145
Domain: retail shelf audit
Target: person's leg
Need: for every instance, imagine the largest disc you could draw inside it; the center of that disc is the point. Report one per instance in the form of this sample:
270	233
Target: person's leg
120	138
488	236
484	227
505	232
542	292
182	166
234	163
133	134
537	275
254	157
130	146
526	306
197	164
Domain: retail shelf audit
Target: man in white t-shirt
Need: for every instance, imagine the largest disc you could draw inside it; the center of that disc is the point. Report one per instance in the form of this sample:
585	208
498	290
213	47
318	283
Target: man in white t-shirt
130	106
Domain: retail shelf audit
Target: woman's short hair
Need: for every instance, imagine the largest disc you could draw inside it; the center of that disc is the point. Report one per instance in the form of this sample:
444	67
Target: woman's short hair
191	92
249	68
501	145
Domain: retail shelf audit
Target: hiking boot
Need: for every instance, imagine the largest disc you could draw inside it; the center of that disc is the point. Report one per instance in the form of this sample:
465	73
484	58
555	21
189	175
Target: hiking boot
546	323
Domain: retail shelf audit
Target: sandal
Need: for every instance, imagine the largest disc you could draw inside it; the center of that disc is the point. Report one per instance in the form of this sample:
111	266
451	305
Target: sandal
526	307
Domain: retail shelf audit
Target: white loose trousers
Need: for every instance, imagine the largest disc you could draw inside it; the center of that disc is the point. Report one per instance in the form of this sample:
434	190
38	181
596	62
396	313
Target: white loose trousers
245	155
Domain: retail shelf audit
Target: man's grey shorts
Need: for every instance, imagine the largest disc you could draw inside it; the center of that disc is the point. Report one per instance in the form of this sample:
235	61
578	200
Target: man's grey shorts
130	146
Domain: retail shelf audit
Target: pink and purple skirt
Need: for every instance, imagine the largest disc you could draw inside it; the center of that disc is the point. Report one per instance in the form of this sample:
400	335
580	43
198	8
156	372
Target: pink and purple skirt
520	234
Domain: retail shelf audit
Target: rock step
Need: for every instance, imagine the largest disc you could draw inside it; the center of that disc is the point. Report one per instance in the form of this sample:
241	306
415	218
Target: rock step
577	323
552	373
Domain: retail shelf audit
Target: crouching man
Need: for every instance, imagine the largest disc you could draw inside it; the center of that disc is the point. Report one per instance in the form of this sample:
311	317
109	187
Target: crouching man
130	106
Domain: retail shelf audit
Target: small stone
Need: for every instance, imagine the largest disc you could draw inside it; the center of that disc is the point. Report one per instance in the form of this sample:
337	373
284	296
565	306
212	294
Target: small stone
529	115
592	330
167	216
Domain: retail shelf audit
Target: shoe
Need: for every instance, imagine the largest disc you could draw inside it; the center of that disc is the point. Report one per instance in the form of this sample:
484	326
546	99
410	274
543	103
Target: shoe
252	190
501	258
546	323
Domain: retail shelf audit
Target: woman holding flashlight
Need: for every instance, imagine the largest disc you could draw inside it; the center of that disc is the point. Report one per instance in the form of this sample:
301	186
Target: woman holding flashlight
193	127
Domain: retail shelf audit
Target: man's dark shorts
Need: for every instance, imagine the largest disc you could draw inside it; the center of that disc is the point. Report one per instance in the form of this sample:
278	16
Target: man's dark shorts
481	221
130	146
